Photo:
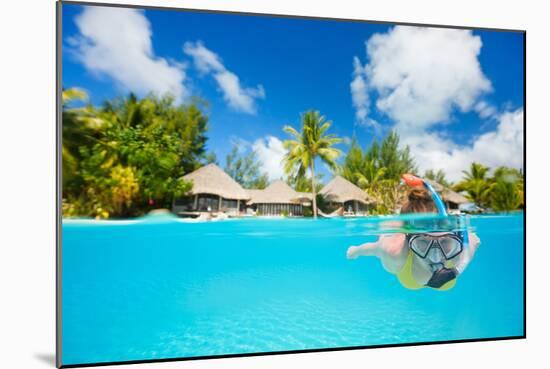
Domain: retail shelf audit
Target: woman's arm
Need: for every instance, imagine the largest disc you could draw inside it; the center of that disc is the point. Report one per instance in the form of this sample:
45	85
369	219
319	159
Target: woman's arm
366	249
390	249
468	254
386	245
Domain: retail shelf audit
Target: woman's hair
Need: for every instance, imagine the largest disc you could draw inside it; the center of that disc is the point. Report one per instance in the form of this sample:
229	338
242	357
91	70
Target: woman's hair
419	200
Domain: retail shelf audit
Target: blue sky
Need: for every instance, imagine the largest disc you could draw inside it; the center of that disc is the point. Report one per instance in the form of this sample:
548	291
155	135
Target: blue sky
454	96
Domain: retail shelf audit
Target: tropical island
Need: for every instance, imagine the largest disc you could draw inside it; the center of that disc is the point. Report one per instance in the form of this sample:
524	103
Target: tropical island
134	155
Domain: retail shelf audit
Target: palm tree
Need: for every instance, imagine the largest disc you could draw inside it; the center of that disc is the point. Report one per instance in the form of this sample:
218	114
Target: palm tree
507	189
476	184
80	127
437	176
477	172
310	143
393	157
360	168
505	196
369	175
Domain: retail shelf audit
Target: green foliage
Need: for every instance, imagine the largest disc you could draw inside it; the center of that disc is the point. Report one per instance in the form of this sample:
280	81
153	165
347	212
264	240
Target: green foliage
437	176
388	194
507	189
306	146
81	127
503	191
210	158
245	169
378	170
385	161
303	184
185	123
394	159
505	196
362	169
321	202
124	188
476	184
128	156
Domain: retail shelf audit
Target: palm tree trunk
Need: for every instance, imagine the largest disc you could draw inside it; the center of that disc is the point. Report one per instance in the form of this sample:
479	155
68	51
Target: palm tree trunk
313	192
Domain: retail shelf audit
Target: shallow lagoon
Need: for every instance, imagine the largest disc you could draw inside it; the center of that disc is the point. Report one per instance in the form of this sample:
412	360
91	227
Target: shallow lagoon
164	288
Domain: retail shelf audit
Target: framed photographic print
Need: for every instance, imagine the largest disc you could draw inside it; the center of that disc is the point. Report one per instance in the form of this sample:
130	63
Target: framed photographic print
235	184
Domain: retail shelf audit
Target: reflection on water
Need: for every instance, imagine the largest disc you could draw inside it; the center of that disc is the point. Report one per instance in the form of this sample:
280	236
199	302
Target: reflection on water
405	223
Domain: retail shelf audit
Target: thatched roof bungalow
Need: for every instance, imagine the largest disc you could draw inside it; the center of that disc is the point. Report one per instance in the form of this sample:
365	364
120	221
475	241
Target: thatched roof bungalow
453	199
277	199
341	192
213	191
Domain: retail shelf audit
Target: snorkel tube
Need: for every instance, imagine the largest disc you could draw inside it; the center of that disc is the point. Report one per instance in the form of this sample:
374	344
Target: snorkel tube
441	275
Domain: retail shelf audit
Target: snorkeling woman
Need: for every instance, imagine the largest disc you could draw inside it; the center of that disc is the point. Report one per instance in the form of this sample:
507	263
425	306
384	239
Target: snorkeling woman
432	259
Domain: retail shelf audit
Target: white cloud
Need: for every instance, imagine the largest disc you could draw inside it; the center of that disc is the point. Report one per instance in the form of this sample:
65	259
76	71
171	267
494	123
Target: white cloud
238	97
502	147
205	60
360	98
422	74
359	91
270	153
420	77
485	110
117	42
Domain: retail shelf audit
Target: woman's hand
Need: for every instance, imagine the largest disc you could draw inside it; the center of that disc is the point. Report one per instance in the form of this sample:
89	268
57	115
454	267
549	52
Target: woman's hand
353	252
468	253
390	245
366	249
474	240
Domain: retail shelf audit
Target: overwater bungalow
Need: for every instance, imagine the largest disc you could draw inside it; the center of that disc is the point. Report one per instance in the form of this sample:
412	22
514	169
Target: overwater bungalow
340	192
278	199
213	191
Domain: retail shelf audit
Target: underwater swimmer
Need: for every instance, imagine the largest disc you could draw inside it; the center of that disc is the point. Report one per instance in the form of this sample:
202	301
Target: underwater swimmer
432	259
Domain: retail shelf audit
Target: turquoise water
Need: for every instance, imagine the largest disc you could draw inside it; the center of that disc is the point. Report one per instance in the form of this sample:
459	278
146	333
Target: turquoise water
166	289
